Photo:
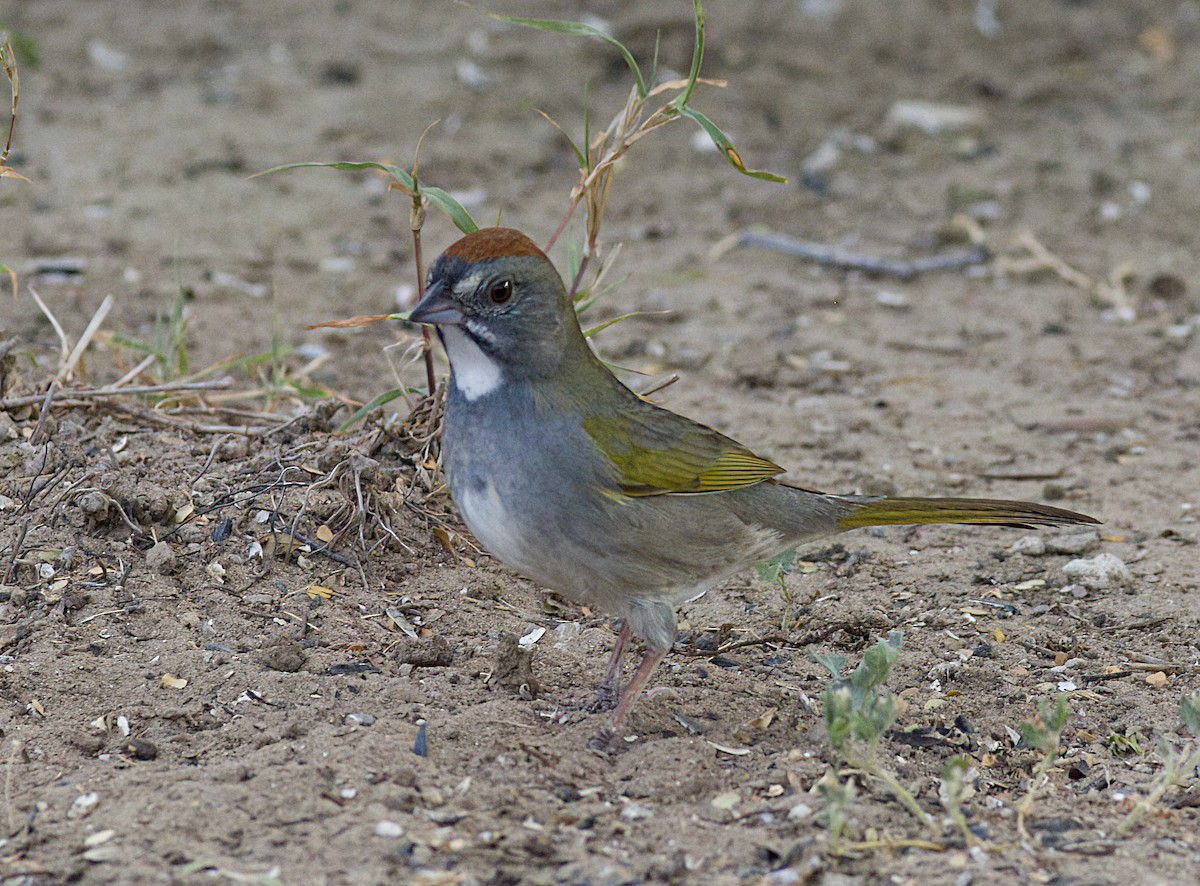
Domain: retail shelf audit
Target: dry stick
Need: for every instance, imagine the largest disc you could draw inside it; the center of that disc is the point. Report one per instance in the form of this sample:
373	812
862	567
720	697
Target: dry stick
86	338
16	552
75	394
129	376
39	435
416	221
426	338
64	348
837	258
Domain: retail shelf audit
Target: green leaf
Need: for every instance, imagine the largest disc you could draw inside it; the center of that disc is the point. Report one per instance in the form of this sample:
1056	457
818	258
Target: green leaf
579	29
777	567
367	409
1189	711
1045	736
877	663
438	197
12	277
721	140
697	57
830	660
600	327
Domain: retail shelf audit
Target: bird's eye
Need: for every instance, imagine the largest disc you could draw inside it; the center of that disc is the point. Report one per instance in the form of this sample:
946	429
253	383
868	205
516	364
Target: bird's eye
500	291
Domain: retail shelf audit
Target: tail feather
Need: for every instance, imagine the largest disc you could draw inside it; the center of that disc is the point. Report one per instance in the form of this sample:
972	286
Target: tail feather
979	511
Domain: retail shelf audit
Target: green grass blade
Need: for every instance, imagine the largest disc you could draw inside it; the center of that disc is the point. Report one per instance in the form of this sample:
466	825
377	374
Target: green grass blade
457	212
438	197
600	327
721	140
579	29
368	408
697	57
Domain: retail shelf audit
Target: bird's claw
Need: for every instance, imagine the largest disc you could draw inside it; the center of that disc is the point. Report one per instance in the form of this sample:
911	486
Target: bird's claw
605	742
604	699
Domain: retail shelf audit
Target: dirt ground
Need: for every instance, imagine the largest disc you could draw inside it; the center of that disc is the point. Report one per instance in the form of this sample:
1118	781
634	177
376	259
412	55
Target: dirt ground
187	697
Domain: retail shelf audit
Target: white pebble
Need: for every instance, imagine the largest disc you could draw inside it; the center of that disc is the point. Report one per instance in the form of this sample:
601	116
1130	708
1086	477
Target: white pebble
388	829
1100	572
799	812
1029	545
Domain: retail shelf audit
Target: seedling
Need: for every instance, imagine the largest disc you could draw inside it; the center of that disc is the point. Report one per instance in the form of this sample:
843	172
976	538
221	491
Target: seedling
954	791
859	709
838	795
1044	735
1179	763
776	570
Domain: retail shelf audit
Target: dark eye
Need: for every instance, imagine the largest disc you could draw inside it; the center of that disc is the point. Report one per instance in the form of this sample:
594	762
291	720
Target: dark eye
500	291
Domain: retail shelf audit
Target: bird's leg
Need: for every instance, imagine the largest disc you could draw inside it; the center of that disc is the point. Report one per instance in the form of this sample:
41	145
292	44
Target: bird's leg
609	689
606	739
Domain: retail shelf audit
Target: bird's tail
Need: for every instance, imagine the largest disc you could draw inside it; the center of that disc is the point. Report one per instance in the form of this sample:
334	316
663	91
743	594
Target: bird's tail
980	511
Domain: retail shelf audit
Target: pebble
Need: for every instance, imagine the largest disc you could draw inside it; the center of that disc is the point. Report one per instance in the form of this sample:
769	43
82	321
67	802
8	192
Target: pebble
388	829
161	558
727	800
799	812
287	656
636	812
932	118
1099	573
1029	545
1073	543
140	749
83	805
360	719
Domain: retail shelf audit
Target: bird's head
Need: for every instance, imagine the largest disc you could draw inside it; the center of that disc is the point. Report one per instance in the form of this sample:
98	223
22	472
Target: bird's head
501	309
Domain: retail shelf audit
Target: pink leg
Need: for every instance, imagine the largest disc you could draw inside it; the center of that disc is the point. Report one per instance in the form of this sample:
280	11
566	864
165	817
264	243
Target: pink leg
610	687
606	739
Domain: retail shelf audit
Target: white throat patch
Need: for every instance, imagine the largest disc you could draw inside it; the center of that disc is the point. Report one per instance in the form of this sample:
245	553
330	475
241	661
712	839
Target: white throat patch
474	373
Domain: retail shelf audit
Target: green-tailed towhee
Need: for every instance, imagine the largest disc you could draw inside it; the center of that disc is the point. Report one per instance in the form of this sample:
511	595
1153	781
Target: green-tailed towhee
569	477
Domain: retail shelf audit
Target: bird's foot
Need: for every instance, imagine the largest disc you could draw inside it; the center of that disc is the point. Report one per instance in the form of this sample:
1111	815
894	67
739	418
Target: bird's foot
603	699
606	741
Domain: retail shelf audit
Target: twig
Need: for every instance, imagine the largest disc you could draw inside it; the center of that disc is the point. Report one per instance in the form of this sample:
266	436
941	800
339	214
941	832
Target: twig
1111	292
68	368
39	435
109	391
831	256
64	348
16	552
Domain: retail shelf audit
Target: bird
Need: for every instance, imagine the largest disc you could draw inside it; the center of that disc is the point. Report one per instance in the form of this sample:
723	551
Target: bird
569	477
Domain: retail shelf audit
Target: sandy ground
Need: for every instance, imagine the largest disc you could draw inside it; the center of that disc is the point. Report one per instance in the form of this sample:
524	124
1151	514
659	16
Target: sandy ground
187	698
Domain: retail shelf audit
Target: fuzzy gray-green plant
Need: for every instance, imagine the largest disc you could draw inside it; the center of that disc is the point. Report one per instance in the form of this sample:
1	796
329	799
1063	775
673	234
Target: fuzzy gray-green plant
859	709
1179	763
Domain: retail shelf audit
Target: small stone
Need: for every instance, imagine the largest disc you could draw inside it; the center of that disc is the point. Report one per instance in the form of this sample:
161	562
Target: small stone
434	652
97	507
83	805
360	719
98	854
1074	543
799	812
636	812
1098	573
388	829
161	559
287	656
1029	545
89	744
98	838
140	749
727	800
932	118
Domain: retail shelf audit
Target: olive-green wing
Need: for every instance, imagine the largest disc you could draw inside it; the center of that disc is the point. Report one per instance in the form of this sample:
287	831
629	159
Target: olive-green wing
656	452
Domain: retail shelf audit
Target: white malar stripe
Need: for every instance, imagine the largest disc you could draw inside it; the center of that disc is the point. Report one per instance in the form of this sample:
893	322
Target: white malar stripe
474	373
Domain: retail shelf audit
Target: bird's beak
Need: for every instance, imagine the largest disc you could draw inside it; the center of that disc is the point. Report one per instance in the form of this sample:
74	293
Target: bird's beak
437	308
